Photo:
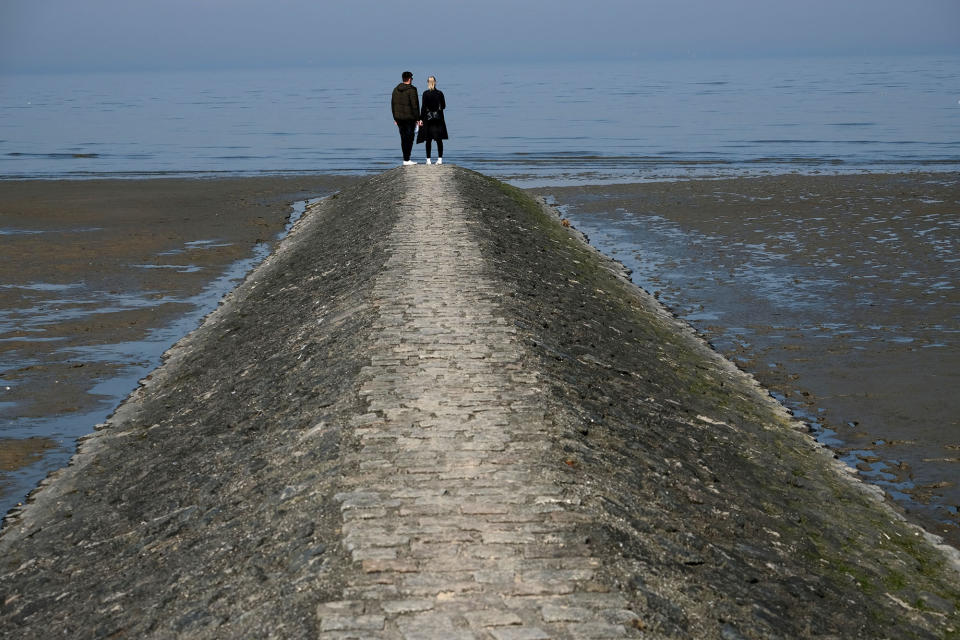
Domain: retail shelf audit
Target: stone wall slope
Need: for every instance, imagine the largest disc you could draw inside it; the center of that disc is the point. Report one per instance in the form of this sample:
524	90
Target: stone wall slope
435	412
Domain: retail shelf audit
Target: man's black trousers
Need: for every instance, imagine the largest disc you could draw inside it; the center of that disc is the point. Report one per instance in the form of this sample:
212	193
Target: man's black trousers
407	132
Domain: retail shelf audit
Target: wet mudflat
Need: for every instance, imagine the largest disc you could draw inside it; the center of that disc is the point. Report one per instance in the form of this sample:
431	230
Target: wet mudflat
839	293
98	278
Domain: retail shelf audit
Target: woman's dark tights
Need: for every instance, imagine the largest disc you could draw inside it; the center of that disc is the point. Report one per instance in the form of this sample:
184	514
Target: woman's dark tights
439	148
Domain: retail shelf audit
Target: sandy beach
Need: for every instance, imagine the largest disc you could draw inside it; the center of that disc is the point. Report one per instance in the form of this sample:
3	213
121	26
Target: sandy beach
91	271
838	293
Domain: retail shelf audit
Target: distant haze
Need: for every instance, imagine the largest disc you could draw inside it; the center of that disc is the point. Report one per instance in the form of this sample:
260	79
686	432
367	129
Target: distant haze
65	35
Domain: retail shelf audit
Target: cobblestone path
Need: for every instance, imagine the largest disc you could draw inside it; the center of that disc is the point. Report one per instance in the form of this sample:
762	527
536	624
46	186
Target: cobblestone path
457	527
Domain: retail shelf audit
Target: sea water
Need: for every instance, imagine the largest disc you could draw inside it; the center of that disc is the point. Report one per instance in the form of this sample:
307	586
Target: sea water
532	124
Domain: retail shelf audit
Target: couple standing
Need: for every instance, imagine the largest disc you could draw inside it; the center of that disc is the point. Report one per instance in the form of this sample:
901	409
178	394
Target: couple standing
408	114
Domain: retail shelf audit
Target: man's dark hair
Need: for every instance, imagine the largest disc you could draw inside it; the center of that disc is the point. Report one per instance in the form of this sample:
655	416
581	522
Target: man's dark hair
406	75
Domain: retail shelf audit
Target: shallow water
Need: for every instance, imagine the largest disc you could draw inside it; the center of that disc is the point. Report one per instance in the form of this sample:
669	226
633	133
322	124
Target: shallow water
54	433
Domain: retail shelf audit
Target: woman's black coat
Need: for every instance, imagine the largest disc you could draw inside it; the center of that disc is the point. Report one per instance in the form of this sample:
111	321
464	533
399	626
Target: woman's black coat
432	100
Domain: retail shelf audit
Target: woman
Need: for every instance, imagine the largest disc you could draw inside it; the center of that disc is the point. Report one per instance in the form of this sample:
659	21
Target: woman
433	126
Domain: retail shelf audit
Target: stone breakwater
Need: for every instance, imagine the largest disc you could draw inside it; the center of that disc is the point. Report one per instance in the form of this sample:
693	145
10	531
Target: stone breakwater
435	412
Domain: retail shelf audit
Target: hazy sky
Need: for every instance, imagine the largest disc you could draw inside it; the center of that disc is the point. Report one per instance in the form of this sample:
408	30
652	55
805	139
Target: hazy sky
145	34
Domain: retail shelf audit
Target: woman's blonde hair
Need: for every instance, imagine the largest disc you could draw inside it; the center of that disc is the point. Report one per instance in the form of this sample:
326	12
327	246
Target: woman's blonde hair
431	83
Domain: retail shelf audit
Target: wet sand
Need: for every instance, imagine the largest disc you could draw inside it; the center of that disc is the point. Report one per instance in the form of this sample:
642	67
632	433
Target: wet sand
839	293
94	279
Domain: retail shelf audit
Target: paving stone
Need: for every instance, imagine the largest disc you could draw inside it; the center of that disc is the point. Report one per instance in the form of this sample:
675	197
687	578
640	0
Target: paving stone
481	550
390	566
424	621
439	634
492	618
509	537
541	588
484	508
519	633
407	606
554	613
495	577
423	550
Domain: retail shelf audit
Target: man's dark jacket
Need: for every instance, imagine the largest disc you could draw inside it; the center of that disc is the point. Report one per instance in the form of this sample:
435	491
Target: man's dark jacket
405	104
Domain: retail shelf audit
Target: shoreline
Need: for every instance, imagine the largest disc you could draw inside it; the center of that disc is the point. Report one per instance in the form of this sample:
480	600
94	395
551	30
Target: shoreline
530	180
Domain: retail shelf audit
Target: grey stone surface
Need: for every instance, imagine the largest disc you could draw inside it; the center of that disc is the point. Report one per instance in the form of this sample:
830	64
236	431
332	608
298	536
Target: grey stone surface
437	413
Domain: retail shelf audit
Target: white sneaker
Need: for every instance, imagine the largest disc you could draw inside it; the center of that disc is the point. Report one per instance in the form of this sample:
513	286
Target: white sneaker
428	161
408	162
439	160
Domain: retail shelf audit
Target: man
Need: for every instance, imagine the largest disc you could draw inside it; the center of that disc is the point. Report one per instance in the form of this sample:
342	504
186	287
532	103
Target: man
406	112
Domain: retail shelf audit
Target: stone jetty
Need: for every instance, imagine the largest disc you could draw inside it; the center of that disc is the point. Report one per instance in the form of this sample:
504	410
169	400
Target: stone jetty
436	413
